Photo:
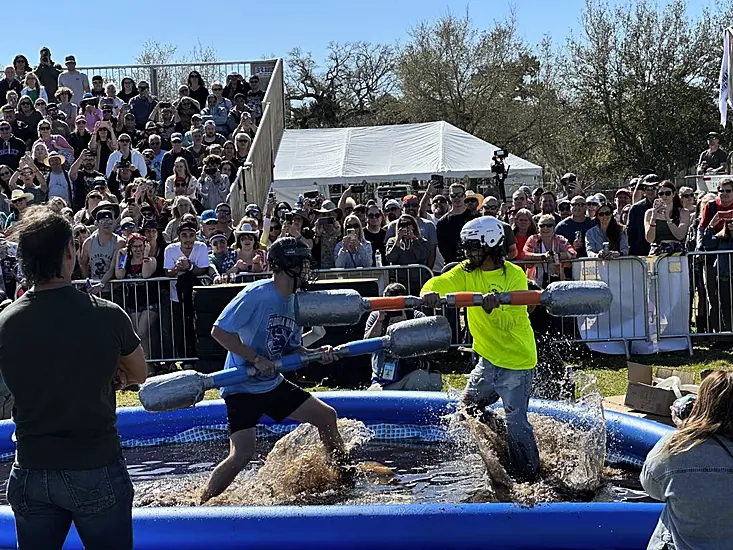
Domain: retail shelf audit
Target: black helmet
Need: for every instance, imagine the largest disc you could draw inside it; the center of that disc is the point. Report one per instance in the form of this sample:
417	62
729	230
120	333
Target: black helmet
288	254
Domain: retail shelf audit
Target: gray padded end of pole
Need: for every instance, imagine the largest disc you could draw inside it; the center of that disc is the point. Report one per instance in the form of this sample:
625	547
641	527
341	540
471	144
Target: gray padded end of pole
576	298
176	390
324	308
419	336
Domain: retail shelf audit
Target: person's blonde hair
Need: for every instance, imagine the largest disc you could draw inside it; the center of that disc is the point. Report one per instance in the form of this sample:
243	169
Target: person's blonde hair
177	202
532	230
712	414
352	218
546	218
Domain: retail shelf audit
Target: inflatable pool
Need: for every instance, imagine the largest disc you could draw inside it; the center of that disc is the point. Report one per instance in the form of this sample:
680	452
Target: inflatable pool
603	526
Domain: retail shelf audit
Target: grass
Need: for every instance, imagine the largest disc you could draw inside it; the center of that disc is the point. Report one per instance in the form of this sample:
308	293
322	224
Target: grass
610	371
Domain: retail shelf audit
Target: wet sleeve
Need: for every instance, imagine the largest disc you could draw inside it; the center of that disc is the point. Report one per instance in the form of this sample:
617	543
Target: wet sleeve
238	312
505	318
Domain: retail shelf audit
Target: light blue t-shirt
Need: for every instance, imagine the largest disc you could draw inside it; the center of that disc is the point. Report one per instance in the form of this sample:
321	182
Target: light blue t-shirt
265	321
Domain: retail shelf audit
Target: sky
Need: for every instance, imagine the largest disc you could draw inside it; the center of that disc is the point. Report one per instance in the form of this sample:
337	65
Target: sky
255	29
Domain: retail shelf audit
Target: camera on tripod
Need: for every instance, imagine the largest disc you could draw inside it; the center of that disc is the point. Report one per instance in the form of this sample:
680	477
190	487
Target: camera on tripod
497	166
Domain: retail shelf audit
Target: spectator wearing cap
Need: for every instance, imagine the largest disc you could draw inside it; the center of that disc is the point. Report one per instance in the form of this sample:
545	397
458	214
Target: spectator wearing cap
570	186
236	112
9	83
209	226
166	124
58	126
47	71
177	151
185	260
222	258
98	251
214	188
181	181
392	209
57	179
211	137
254	211
255	97
98	87
142	104
251	258
537	199
12	149
224	215
563	209
19	200
27	114
713	160
592	203
79	137
411	206
125	152
128	127
621	198
638	245
76	81
127	227
83	177
65	105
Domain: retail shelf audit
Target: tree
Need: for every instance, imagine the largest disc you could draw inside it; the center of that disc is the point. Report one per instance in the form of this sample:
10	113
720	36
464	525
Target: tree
169	78
645	79
355	88
483	81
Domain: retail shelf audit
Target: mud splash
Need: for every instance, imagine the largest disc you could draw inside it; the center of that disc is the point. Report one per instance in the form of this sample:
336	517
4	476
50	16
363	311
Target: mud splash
572	455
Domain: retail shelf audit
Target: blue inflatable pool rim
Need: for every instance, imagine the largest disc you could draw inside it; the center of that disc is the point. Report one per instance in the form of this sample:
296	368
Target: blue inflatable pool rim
399	415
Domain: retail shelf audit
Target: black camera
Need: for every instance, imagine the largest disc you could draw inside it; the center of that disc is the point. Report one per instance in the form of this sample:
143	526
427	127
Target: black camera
357	188
497	166
310	195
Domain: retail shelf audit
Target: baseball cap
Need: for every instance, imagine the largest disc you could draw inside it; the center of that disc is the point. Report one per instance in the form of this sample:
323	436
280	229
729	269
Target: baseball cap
176	137
186	225
70	59
209	216
127	223
252	208
409	198
569	178
392	203
622	191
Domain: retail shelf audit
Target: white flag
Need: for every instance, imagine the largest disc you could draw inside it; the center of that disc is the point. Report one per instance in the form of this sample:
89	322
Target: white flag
723	97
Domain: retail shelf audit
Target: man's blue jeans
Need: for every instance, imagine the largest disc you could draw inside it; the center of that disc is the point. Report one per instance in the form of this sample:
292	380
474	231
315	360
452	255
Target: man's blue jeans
486	385
98	501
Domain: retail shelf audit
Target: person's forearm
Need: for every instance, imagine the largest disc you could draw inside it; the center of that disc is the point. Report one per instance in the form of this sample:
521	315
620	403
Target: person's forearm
233	344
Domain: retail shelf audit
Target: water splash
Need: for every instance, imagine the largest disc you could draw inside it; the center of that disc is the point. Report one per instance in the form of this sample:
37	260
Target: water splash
572	454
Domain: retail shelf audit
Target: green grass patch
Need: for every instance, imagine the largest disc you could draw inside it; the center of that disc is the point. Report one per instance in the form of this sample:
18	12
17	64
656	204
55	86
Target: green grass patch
610	371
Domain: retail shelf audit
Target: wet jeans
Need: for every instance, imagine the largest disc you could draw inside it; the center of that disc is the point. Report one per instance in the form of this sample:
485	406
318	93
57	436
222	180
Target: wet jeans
485	386
99	502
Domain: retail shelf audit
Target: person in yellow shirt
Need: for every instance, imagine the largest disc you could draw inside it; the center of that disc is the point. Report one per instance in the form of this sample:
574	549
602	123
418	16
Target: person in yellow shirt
502	335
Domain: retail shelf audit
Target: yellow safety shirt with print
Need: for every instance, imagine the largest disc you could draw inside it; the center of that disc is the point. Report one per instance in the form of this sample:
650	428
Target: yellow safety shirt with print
504	337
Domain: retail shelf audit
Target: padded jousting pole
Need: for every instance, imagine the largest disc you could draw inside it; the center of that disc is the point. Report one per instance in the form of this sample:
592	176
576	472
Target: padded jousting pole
409	338
345	307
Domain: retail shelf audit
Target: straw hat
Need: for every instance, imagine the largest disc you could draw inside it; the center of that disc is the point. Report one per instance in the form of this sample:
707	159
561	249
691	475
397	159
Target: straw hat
18	194
54	154
245	229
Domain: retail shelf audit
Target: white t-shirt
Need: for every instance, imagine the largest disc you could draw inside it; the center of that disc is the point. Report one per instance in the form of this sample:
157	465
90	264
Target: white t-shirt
199	257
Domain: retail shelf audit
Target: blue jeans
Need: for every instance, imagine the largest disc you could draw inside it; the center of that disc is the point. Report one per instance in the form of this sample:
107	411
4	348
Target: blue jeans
485	386
98	501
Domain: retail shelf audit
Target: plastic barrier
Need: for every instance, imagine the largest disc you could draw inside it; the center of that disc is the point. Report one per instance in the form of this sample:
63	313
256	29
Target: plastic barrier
607	526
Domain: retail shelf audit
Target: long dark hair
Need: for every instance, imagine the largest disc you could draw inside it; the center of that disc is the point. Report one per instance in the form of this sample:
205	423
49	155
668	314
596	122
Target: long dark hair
676	202
613	231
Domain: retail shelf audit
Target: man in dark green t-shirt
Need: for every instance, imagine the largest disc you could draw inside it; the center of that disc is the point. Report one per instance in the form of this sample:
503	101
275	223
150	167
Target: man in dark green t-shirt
68	464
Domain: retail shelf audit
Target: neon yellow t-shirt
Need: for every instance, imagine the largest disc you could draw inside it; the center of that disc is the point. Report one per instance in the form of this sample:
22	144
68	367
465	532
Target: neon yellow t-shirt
503	336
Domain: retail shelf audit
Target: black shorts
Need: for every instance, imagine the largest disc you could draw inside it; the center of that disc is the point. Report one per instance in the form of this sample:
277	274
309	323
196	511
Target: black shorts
244	410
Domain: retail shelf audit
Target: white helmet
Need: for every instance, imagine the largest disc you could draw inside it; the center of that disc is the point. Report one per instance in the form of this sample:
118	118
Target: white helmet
487	230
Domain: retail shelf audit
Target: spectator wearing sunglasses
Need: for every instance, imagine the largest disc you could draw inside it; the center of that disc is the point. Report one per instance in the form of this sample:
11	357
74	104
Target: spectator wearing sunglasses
142	105
374	231
353	250
687	198
563	209
666	222
608	239
490	207
450	225
550	248
411	206
574	227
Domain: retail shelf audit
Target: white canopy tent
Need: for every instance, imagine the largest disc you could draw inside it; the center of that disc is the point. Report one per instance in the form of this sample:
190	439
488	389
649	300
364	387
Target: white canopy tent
386	154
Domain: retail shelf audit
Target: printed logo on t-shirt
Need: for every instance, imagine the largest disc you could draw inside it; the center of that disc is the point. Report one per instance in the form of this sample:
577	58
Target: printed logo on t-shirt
279	331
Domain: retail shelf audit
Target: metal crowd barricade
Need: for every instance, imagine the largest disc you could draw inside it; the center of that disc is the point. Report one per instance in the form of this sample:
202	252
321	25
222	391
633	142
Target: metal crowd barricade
160	322
709	295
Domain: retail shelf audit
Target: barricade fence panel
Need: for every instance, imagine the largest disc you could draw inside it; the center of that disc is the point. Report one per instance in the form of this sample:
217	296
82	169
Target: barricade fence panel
659	303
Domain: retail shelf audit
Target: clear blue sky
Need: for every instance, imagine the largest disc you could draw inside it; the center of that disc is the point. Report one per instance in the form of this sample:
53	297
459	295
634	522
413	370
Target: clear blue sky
241	30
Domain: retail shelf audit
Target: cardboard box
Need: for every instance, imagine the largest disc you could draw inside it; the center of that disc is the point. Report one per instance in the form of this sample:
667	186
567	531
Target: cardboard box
641	394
